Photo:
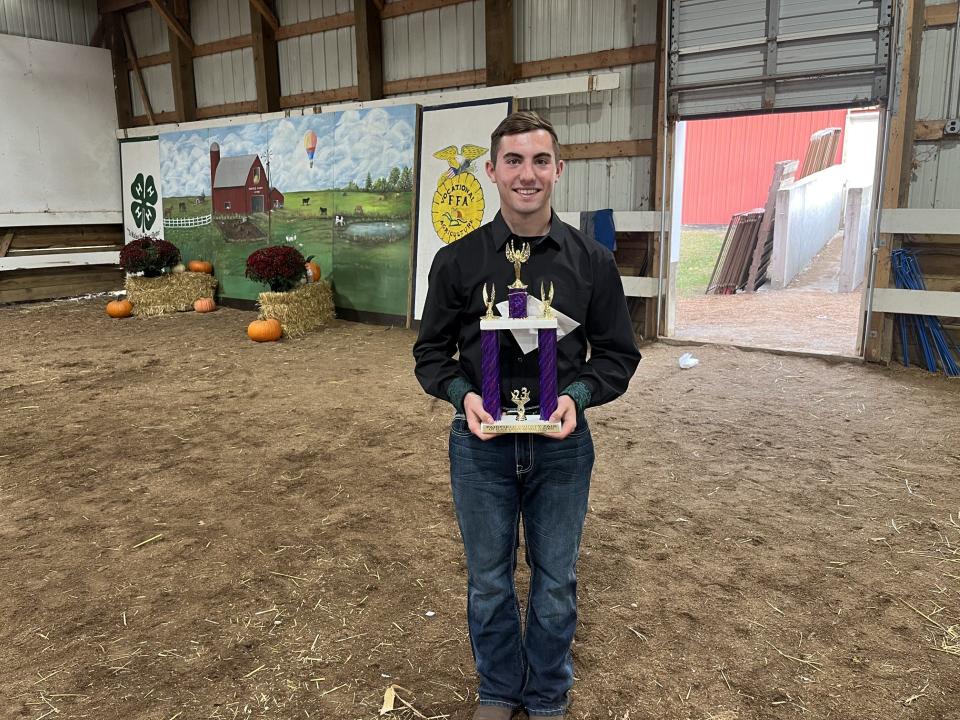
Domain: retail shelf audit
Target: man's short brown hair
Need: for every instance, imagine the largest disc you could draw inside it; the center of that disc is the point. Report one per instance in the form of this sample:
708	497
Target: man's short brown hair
517	123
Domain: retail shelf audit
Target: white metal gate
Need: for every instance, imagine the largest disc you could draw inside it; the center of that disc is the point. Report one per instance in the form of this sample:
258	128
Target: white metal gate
744	56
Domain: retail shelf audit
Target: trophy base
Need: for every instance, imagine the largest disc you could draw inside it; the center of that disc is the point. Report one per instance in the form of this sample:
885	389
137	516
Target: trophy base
510	425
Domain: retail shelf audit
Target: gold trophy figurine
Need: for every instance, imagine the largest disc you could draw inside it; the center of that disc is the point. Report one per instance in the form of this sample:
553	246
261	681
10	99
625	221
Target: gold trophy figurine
517	257
488	300
546	299
520	398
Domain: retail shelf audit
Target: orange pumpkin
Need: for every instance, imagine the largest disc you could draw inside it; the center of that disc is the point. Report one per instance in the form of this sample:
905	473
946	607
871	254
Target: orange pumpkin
313	270
120	308
200	266
265	330
204	305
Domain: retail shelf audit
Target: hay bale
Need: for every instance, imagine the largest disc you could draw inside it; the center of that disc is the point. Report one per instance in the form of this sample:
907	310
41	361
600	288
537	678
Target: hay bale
301	310
169	293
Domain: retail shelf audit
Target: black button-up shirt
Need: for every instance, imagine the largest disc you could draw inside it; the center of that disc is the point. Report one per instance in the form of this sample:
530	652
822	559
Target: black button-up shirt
587	288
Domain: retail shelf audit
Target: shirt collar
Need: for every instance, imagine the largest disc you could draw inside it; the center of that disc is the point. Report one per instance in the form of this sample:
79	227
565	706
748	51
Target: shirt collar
502	233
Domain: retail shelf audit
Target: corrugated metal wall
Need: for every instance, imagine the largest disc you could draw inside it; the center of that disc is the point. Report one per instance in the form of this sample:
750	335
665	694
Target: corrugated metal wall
936	177
583	26
730	161
149	36
69	21
320	61
225	77
433	42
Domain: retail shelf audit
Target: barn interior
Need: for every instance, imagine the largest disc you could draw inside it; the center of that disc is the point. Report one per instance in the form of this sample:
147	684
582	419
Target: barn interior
195	524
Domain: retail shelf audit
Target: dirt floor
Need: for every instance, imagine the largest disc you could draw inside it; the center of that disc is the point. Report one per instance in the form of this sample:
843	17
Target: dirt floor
196	526
808	316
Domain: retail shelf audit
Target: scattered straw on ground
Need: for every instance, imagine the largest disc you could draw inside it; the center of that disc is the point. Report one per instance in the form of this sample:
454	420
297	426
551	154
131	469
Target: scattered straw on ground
170	293
299	311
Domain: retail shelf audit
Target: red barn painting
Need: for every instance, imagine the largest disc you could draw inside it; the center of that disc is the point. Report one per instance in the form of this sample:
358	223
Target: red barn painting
240	185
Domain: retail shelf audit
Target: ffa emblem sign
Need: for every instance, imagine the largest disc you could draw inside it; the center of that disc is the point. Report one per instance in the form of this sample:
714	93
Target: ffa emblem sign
458	202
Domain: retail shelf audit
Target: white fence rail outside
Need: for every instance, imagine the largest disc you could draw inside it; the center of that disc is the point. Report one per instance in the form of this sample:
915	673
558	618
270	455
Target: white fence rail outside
188	222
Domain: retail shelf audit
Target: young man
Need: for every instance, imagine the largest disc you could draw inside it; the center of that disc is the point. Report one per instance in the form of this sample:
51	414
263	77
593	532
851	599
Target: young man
543	480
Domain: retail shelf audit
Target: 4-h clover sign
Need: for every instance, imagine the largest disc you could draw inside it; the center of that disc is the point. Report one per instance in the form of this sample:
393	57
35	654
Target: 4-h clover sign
144	198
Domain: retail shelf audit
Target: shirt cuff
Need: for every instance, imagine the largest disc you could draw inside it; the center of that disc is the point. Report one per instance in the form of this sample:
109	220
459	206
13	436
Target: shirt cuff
457	390
579	393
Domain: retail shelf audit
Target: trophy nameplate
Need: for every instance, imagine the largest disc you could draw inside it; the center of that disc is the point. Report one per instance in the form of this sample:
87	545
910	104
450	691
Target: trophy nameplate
516	420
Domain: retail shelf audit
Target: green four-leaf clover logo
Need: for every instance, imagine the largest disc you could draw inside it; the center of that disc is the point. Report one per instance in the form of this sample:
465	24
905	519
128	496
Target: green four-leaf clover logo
144	198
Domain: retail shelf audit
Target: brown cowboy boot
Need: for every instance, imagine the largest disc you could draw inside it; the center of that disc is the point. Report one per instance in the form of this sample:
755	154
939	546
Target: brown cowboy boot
493	712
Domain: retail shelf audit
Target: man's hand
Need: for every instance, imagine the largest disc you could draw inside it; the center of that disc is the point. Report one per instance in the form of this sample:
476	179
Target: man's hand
566	413
473	409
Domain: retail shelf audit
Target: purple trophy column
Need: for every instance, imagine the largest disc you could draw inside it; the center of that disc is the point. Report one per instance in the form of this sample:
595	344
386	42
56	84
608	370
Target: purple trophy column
547	346
490	369
518	303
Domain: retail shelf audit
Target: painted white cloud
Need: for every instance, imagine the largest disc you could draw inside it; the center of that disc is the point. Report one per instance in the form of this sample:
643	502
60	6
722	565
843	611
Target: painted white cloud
350	145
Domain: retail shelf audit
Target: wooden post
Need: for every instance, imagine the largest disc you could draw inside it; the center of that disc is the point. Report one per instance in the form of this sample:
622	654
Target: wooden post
181	67
661	196
121	76
369	32
137	75
896	180
266	62
498	19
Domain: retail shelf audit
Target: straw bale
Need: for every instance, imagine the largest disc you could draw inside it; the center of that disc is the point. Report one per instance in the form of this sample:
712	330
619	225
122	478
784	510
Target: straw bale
300	310
169	293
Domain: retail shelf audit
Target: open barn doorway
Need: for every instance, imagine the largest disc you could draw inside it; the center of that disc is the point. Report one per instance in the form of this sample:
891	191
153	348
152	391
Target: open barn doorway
775	214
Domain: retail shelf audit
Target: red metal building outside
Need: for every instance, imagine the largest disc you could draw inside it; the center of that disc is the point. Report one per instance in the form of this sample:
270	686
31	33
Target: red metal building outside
729	161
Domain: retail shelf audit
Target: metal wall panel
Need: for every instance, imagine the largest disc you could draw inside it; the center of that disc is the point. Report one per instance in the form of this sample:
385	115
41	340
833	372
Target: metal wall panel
321	61
726	40
225	77
159	89
68	21
148	32
444	40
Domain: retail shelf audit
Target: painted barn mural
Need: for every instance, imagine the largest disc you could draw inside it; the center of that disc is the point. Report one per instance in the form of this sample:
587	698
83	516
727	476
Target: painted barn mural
338	186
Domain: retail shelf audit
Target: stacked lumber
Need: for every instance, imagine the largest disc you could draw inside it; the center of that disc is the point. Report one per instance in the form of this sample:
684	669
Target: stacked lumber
821	152
783	172
733	264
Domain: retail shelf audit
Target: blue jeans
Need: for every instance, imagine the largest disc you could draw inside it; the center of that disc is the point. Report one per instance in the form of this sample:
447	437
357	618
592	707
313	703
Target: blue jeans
545	483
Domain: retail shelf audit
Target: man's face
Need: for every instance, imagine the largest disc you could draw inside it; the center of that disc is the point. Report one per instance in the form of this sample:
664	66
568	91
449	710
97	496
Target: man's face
525	173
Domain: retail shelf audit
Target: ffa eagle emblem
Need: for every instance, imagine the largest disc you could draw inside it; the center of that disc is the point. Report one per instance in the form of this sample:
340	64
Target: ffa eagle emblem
457	207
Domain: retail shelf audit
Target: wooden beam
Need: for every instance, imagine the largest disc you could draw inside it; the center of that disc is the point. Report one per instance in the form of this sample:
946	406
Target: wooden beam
369	34
266	60
266	13
917	302
317	25
121	75
929	129
96	40
926	221
896	183
434	82
616	148
940	15
588	61
172	22
237	108
151	60
158	119
138	76
222	46
407	7
105	7
498	22
181	67
320	97
5	243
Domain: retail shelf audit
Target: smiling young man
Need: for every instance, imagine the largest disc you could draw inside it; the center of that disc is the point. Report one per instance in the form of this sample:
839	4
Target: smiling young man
542	480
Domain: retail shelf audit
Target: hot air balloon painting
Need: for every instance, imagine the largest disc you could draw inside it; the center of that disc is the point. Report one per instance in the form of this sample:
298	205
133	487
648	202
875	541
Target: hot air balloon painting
310	144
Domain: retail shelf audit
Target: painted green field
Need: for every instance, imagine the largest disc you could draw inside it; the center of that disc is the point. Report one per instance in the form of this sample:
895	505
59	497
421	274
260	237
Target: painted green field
699	248
368	274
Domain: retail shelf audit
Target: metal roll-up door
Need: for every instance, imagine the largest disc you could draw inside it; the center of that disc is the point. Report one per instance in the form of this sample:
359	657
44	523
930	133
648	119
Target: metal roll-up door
745	56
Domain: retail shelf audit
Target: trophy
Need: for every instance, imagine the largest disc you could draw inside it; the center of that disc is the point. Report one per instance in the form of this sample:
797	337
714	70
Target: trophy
517	420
